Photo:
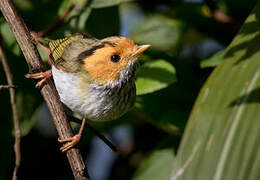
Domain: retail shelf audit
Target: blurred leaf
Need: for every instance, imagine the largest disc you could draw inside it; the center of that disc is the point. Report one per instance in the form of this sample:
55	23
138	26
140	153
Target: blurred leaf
83	18
80	14
192	36
169	108
213	60
174	119
157	166
81	3
171	121
237	8
106	3
193	16
221	140
64	6
43	54
9	38
23	4
153	76
78	17
162	33
27	105
103	22
42	13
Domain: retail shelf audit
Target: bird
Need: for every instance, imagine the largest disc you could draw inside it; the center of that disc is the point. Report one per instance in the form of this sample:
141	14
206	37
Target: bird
94	78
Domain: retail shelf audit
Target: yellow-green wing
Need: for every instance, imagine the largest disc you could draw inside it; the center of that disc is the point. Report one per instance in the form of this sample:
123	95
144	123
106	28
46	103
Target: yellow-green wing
58	46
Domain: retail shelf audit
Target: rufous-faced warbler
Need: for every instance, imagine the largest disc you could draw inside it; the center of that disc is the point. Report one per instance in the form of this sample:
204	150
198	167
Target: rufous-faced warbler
94	78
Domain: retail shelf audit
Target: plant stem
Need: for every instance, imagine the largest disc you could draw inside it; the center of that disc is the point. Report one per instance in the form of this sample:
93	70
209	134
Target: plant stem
17	144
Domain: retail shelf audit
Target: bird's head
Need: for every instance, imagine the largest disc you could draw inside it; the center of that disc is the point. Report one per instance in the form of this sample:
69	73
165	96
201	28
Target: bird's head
113	59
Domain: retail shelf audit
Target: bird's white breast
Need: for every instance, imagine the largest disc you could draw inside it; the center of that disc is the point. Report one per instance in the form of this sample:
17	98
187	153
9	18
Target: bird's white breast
95	102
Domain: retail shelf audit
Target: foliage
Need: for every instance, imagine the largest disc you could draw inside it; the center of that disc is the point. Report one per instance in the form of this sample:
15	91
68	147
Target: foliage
153	76
220	139
222	132
213	60
159	160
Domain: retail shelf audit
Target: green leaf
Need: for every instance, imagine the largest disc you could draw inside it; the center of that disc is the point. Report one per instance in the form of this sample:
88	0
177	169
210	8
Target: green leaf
161	32
221	140
77	17
24	4
106	3
64	6
9	38
83	18
43	54
155	75
157	166
213	60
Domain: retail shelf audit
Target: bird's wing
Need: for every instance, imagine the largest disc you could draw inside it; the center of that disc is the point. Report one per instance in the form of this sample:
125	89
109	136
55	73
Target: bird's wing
65	52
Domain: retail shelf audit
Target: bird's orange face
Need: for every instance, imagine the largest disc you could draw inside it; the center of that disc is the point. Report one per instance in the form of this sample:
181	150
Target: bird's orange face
107	61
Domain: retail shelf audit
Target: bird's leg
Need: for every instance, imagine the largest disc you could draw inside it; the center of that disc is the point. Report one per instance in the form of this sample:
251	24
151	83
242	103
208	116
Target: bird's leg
72	141
41	75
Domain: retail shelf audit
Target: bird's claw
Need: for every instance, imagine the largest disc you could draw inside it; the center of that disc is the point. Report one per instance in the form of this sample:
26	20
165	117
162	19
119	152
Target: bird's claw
70	142
41	75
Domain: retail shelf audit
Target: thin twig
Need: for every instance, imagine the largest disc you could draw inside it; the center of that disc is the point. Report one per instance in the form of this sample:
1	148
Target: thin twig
56	23
48	91
7	86
17	144
98	134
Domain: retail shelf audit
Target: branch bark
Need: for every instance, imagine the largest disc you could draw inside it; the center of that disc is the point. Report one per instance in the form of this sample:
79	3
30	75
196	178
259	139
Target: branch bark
6	87
17	147
48	91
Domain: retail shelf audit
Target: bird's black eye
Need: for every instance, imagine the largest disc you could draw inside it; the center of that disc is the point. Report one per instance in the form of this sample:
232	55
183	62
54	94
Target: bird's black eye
115	58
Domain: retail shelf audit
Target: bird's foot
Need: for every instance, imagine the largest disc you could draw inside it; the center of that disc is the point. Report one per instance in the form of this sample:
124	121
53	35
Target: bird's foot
41	75
70	142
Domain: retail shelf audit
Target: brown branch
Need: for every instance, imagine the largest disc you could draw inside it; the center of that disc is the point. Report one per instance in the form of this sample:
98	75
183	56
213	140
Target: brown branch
56	23
48	91
7	86
17	144
98	134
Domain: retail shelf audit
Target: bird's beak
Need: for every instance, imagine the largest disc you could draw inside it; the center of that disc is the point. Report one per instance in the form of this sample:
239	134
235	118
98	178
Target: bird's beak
141	49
